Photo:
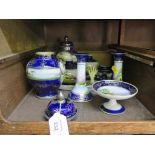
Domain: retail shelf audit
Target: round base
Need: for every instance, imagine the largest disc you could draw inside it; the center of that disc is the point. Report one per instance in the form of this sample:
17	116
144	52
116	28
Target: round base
112	109
80	98
69	118
80	93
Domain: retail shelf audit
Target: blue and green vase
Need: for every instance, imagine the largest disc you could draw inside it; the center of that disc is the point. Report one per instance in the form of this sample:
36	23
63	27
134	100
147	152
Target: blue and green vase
44	74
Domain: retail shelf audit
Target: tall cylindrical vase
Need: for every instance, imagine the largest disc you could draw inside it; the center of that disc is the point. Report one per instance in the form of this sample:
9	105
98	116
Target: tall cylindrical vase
118	66
80	92
81	73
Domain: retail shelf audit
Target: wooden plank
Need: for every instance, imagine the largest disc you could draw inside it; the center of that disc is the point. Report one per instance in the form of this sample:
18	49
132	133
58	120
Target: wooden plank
112	31
138	33
13	83
122	32
142	76
13	58
86	34
20	36
138	54
13	87
148	62
32	109
41	128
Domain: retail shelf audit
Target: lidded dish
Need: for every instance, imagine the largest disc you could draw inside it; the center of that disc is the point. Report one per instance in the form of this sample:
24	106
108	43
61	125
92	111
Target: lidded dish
67	55
62	105
67	51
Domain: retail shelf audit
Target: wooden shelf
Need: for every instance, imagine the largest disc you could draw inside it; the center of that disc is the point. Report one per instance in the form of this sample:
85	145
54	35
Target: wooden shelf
32	109
13	58
26	117
146	56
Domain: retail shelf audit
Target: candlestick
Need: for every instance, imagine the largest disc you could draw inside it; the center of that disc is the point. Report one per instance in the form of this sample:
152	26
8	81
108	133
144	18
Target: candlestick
80	92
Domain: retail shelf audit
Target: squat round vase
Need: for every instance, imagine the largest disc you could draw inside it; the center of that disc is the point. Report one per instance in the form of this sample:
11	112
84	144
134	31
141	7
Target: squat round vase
44	74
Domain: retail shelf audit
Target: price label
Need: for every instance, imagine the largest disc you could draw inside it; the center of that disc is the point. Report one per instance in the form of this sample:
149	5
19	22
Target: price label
58	124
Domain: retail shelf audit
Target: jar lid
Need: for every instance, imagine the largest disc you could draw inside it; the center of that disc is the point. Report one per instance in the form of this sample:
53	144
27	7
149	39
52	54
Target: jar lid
66	42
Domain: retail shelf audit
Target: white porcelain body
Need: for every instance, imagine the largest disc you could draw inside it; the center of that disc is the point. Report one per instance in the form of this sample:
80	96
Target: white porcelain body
119	95
80	92
118	74
44	73
113	91
81	73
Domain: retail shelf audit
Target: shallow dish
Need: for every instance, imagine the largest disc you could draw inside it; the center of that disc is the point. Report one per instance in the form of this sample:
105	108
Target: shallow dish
114	90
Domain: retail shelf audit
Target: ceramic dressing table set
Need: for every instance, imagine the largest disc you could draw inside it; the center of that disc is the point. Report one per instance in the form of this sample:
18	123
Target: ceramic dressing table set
48	71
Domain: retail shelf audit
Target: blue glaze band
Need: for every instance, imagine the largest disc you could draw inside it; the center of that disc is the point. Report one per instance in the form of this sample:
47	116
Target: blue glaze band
39	61
77	98
46	88
112	111
125	85
82	57
118	56
72	115
67	108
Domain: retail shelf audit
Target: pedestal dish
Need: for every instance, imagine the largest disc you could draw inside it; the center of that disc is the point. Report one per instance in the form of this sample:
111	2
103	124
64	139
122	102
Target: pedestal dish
114	90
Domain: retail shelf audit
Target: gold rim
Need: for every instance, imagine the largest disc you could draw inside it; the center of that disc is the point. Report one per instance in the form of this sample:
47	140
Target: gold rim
45	53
